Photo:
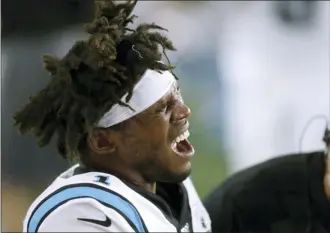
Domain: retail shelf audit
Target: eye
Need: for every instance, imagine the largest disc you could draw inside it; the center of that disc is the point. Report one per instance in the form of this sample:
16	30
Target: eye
162	108
167	106
171	104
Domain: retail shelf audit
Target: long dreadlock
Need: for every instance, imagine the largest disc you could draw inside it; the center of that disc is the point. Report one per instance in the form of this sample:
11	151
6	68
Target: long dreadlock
92	77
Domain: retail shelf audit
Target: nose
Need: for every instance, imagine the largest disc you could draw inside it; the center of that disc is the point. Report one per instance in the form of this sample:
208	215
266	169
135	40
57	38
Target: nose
181	112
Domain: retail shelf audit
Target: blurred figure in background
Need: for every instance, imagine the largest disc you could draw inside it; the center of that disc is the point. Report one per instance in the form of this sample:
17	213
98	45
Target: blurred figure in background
286	194
274	60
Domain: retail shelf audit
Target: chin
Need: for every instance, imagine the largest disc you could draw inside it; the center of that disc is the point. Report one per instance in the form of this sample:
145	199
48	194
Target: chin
184	176
179	176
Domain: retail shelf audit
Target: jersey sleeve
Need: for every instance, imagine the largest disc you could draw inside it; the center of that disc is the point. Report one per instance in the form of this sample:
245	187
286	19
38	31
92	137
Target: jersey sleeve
84	215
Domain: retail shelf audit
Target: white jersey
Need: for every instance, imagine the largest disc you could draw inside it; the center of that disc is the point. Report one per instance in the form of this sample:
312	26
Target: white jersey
99	202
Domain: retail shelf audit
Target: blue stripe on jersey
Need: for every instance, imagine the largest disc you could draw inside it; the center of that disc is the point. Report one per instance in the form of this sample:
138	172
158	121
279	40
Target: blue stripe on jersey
84	192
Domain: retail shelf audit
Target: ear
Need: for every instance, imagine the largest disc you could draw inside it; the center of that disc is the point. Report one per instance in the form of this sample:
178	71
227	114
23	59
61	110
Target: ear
101	141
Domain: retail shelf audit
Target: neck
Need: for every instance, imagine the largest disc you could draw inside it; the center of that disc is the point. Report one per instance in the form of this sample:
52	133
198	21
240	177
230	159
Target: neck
127	176
136	180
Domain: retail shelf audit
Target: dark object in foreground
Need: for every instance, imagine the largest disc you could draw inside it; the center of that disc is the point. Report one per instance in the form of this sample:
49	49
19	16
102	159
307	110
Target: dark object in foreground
285	194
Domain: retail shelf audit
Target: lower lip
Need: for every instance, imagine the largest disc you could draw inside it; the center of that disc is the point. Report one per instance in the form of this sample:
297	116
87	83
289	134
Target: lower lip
187	152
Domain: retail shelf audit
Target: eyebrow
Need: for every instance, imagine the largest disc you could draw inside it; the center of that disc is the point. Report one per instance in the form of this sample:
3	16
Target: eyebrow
162	102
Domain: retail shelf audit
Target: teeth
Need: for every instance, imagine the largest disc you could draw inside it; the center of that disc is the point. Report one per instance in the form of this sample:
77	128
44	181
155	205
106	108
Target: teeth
182	137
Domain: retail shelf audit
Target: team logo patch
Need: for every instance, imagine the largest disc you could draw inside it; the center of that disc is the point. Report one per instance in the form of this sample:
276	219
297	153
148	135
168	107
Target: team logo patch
102	179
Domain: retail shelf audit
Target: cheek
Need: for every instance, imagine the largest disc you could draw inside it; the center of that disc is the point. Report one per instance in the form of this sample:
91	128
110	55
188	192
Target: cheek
148	139
151	150
140	145
160	129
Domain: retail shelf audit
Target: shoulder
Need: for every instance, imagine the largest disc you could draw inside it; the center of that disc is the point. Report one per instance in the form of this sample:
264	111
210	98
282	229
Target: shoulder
83	214
80	196
282	171
259	192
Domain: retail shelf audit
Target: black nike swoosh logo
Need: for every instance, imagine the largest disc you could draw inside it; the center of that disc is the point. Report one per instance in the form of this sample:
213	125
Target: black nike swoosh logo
105	223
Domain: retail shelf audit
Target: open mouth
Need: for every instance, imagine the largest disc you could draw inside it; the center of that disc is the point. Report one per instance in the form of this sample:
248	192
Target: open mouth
181	146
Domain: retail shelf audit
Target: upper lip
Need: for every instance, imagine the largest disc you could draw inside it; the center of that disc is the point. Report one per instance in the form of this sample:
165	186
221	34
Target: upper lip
180	130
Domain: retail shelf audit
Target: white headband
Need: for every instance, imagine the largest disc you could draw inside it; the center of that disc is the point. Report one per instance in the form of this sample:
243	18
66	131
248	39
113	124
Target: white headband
151	88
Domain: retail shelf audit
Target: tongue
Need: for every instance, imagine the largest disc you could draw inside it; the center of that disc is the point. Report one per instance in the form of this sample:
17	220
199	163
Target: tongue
183	146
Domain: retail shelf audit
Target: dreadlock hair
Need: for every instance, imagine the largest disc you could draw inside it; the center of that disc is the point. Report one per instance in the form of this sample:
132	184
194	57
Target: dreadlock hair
92	77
